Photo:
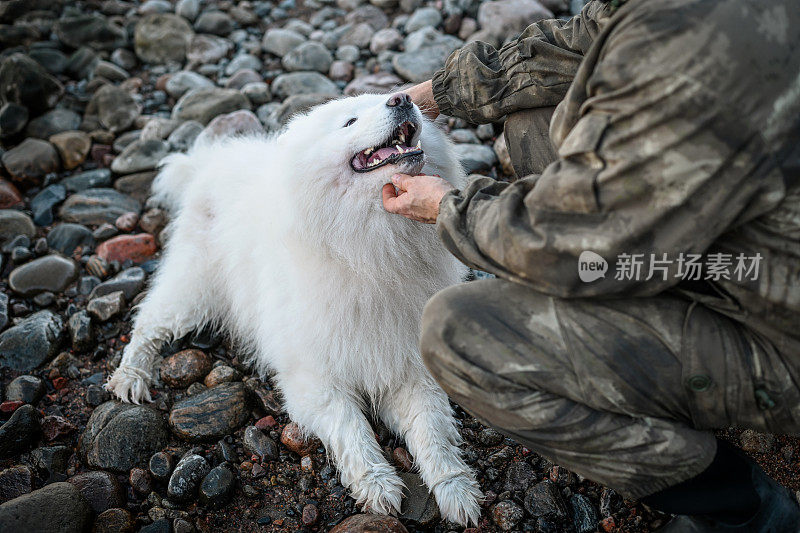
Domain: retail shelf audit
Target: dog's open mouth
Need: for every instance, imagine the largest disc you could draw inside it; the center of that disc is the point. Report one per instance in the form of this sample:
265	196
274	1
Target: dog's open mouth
397	148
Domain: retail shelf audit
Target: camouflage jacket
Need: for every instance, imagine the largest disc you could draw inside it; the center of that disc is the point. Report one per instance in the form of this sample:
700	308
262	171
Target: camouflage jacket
678	132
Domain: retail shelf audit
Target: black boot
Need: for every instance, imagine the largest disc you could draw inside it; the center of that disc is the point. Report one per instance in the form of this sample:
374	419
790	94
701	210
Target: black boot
732	494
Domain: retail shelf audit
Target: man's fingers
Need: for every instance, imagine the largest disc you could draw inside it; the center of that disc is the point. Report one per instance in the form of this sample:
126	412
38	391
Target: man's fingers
389	197
402	181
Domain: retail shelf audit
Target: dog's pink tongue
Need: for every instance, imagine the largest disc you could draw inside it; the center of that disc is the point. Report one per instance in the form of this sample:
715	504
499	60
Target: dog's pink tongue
381	153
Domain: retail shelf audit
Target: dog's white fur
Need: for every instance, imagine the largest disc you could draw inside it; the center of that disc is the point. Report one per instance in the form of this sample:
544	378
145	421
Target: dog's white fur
279	241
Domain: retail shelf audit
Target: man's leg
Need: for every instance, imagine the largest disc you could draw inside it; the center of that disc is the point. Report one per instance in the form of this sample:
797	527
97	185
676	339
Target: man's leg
612	389
527	136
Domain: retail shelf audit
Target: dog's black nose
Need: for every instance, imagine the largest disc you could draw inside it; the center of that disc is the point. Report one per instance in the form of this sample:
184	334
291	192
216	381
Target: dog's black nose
399	100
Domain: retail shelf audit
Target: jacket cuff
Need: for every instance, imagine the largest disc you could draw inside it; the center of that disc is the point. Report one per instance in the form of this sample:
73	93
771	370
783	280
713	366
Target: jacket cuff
445	86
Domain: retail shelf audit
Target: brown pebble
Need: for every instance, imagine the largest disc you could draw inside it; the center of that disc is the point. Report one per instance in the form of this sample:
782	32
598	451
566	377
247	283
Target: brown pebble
369	522
403	459
310	514
185	367
292	438
113	521
140	480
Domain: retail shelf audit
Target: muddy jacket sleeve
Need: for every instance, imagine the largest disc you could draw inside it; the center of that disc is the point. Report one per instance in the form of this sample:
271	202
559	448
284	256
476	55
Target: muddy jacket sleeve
656	162
481	84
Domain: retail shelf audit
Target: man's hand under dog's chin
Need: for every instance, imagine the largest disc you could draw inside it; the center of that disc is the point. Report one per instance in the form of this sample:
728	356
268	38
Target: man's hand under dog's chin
415	197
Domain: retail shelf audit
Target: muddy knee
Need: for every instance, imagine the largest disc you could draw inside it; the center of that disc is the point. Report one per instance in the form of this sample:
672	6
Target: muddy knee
527	135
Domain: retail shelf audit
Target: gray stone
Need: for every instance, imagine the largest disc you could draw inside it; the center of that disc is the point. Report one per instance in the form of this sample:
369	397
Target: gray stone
116	109
358	35
105	307
208	49
243	61
211	414
464	136
13	118
544	500
31	342
66	238
101	490
188	9
186	479
243	77
137	186
237	123
584	514
19	433
310	55
110	71
95	206
54	61
279	41
25	389
51	459
140	155
130	281
348	53
80	331
370	14
418	504
257	92
431	38
475	157
49	273
217	487
92	30
43	203
3	310
295	83
25	82
422	17
204	104
90	179
380	82
13	223
297	103
124	58
162	38
15	481
184	135
81	63
55	508
505	18
385	39
120	436
31	160
52	122
257	443
215	23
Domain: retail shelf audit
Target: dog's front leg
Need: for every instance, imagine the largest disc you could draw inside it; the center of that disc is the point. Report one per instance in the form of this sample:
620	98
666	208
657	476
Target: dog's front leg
419	411
336	417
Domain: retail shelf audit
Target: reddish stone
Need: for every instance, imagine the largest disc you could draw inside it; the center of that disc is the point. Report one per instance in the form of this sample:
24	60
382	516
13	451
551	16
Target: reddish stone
138	248
292	438
403	459
54	427
161	82
185	367
59	383
9	195
10	407
363	523
310	514
99	151
608	524
266	423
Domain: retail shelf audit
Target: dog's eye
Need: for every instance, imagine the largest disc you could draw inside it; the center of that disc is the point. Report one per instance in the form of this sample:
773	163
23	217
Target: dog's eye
349	122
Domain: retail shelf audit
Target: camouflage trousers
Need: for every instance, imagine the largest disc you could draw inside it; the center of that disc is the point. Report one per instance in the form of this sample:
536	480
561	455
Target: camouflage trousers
622	391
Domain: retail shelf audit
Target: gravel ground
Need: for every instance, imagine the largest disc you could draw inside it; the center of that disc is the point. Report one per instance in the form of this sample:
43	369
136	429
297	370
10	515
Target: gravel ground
93	94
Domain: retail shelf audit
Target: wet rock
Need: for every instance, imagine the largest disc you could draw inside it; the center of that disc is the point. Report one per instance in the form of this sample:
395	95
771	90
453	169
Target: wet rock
204	104
120	436
54	121
418	504
13	223
55	427
309	55
519	476
72	146
31	342
162	38
114	521
139	479
25	82
161	465
19	433
293	438
184	368
9	196
15	481
211	414
43	203
217	487
140	155
369	523
187	477
104	307
544	500
507	515
115	107
92	30
184	81
90	179
101	490
50	460
280	42
220	374
208	49
82	62
504	18
584	515
257	443
137	185
130	281
215	23
26	389
30	160
295	83
13	118
58	507
66	238
49	273
95	206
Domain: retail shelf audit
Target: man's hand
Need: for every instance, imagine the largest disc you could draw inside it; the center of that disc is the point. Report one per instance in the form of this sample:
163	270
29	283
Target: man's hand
416	197
422	95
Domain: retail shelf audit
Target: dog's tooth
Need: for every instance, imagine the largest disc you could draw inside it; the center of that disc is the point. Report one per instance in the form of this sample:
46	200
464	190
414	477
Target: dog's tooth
419	143
368	151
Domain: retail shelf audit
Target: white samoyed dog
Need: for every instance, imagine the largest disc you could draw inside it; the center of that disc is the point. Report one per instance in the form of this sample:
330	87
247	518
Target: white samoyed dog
283	242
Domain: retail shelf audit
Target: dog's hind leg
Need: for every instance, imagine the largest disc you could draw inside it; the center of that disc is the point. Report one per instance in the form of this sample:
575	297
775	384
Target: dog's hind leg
419	411
176	303
336	417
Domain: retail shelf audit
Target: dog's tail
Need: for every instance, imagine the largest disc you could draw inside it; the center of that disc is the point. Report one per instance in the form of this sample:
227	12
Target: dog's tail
174	177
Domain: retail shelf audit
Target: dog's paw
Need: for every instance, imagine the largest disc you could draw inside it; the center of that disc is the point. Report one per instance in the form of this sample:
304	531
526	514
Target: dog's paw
380	491
130	384
458	498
